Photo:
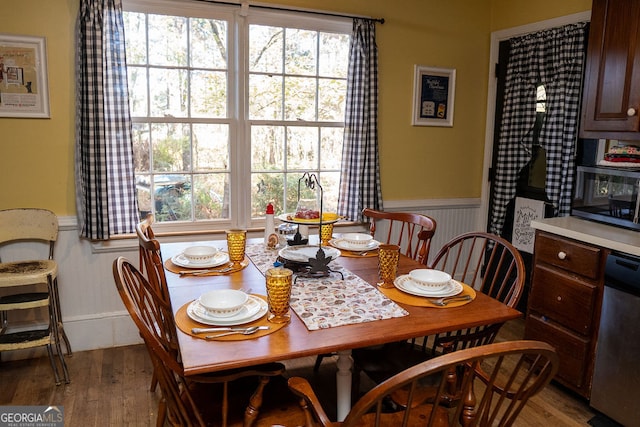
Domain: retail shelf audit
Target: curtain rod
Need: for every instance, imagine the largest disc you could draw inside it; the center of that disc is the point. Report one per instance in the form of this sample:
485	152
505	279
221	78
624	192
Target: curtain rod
285	9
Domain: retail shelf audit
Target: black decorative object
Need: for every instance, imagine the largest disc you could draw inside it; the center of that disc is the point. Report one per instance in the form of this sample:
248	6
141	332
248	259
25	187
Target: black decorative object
297	240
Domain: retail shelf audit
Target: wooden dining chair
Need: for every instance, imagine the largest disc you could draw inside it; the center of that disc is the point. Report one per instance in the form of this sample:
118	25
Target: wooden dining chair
496	381
148	302
484	261
412	232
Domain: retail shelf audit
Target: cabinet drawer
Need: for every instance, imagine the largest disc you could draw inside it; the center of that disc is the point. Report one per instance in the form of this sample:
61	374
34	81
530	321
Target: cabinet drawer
569	255
563	299
572	349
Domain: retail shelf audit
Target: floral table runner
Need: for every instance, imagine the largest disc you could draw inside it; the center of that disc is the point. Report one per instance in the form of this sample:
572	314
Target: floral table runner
331	301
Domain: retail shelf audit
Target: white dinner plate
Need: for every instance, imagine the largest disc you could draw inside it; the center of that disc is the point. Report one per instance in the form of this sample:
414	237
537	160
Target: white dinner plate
253	309
219	259
406	284
342	244
302	253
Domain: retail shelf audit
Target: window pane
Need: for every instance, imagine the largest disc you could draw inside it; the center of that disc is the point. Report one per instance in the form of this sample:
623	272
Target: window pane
301	52
168	90
208	94
211	196
265	49
331	148
141	150
302	148
265	97
167	40
208	43
267	188
332	95
267	148
136	33
172	197
300	98
138	100
171	147
145	201
330	182
211	147
334	55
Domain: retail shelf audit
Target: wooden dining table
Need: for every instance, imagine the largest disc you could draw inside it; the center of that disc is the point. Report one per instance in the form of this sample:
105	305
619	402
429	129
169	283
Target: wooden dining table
296	340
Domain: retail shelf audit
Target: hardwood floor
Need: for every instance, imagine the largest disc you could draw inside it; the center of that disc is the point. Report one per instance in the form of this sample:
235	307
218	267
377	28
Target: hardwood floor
110	387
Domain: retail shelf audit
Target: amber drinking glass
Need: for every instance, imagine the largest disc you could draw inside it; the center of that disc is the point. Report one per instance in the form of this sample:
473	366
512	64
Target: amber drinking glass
236	243
278	294
388	256
326	233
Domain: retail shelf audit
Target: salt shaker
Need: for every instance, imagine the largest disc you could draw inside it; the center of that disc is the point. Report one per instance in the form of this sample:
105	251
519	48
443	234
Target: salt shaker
269	227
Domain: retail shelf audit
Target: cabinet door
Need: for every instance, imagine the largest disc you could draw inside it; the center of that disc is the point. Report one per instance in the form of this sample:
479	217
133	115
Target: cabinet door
612	77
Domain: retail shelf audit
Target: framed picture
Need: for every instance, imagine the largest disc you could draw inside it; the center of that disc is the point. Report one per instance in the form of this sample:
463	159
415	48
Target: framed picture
433	95
24	90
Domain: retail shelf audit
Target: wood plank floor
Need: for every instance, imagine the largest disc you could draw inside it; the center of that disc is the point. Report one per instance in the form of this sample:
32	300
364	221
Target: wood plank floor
110	387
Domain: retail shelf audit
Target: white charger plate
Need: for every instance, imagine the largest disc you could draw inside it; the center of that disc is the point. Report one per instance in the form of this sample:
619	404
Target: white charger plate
253	309
219	259
344	245
406	284
302	253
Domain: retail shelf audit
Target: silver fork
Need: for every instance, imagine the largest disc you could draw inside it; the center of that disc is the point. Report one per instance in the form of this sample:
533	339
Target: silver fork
446	300
204	271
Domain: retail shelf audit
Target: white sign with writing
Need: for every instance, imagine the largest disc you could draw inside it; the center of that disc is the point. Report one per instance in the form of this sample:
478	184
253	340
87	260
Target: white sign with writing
526	210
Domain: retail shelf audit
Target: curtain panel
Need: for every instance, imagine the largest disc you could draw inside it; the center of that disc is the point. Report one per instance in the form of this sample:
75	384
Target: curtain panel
553	58
105	182
360	175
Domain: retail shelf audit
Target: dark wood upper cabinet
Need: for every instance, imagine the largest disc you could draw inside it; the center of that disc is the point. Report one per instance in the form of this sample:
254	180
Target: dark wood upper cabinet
611	104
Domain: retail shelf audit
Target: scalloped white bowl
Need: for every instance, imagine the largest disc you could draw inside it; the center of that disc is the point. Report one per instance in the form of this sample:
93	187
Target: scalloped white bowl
357	239
200	254
429	278
223	302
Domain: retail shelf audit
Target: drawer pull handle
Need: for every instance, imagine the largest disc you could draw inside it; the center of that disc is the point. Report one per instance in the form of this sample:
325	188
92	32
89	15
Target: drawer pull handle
562	255
559	298
631	112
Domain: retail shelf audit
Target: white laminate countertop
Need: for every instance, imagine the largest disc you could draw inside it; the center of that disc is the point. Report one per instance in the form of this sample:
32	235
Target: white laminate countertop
607	236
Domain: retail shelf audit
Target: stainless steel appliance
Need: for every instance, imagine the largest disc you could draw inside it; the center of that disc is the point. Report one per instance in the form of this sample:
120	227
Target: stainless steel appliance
616	378
608	195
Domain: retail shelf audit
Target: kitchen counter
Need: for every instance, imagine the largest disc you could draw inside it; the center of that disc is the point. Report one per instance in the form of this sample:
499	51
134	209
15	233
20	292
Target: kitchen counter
606	236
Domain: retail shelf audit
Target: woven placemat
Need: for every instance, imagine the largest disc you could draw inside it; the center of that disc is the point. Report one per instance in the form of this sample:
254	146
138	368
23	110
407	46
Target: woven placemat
397	295
185	324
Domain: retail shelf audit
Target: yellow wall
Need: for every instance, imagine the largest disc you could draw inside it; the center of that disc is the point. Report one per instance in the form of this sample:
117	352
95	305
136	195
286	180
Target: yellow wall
36	164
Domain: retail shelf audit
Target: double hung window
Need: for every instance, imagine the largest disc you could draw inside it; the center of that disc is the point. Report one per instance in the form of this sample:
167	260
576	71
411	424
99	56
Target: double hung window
229	111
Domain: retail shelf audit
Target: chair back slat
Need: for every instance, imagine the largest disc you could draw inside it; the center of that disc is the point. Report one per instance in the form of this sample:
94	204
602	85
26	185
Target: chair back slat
412	232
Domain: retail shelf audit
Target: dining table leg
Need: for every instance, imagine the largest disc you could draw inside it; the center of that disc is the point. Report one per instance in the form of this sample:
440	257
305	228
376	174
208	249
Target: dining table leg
343	383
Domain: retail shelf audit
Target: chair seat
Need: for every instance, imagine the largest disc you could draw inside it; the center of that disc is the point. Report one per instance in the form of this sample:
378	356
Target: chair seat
27	272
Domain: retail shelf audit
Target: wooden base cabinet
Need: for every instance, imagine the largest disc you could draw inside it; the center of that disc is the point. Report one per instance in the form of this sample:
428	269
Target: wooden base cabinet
564	304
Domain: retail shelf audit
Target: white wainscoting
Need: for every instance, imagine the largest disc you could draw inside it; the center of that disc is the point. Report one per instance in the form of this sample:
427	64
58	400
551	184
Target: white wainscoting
93	314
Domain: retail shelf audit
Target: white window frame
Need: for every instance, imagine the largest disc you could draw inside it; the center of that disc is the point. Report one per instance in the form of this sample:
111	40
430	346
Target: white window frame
237	107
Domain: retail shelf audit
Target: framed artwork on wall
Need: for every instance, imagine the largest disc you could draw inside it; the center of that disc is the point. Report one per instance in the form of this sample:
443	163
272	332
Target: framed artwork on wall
433	96
24	90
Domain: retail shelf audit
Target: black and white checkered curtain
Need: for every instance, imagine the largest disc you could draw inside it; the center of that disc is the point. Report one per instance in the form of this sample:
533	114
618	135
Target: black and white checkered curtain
105	184
360	176
553	58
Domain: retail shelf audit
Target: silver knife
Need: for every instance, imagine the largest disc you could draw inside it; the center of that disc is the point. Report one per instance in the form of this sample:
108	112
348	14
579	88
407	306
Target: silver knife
222	329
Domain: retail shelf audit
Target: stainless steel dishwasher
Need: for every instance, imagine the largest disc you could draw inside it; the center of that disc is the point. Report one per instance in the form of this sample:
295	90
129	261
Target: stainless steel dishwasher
615	389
